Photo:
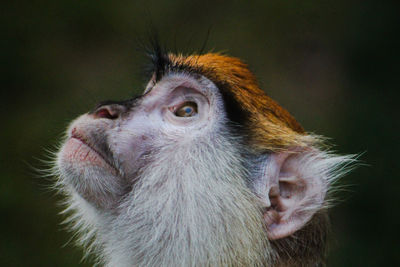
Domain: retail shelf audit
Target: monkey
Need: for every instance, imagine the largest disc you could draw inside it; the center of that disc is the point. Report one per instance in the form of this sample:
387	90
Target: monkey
202	169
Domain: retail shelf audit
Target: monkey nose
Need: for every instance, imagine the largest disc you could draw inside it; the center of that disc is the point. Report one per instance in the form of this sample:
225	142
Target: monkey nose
108	111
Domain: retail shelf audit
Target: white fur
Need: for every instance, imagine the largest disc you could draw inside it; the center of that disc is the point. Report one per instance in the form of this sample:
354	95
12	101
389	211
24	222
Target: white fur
200	214
197	214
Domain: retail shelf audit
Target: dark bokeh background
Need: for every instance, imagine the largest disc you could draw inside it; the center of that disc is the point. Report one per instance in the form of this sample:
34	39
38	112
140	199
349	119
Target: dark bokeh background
333	64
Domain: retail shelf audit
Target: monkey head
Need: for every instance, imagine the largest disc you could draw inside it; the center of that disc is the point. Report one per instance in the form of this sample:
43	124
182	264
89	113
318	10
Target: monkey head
202	169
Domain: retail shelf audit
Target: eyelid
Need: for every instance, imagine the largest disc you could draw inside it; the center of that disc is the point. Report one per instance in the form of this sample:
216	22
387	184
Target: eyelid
188	92
149	88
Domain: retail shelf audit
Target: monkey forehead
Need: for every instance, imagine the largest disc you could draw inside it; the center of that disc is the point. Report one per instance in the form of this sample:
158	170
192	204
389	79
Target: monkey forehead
232	76
247	105
272	126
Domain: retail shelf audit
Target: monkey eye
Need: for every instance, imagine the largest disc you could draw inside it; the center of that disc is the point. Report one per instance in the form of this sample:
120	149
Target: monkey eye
187	109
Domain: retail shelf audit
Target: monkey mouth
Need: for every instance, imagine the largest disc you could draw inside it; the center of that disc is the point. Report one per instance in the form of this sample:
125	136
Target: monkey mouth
79	149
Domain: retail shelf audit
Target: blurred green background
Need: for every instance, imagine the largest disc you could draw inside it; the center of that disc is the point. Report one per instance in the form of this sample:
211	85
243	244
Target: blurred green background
332	64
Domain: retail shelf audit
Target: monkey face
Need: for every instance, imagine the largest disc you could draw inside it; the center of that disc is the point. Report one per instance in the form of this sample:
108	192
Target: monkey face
106	148
202	169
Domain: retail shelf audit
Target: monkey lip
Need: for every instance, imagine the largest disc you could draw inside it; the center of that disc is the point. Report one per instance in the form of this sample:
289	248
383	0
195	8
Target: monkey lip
77	148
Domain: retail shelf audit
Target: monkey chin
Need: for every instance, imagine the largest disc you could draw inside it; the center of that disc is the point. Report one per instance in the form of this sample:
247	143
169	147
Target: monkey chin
89	173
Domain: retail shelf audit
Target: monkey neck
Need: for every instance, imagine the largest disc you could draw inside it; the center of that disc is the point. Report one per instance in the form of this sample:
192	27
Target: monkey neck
197	214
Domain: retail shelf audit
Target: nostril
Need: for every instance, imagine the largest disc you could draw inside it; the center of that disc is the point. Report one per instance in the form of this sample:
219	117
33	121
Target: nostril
106	113
108	110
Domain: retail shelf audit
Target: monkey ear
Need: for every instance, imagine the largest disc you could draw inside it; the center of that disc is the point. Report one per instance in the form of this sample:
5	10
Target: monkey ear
292	187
